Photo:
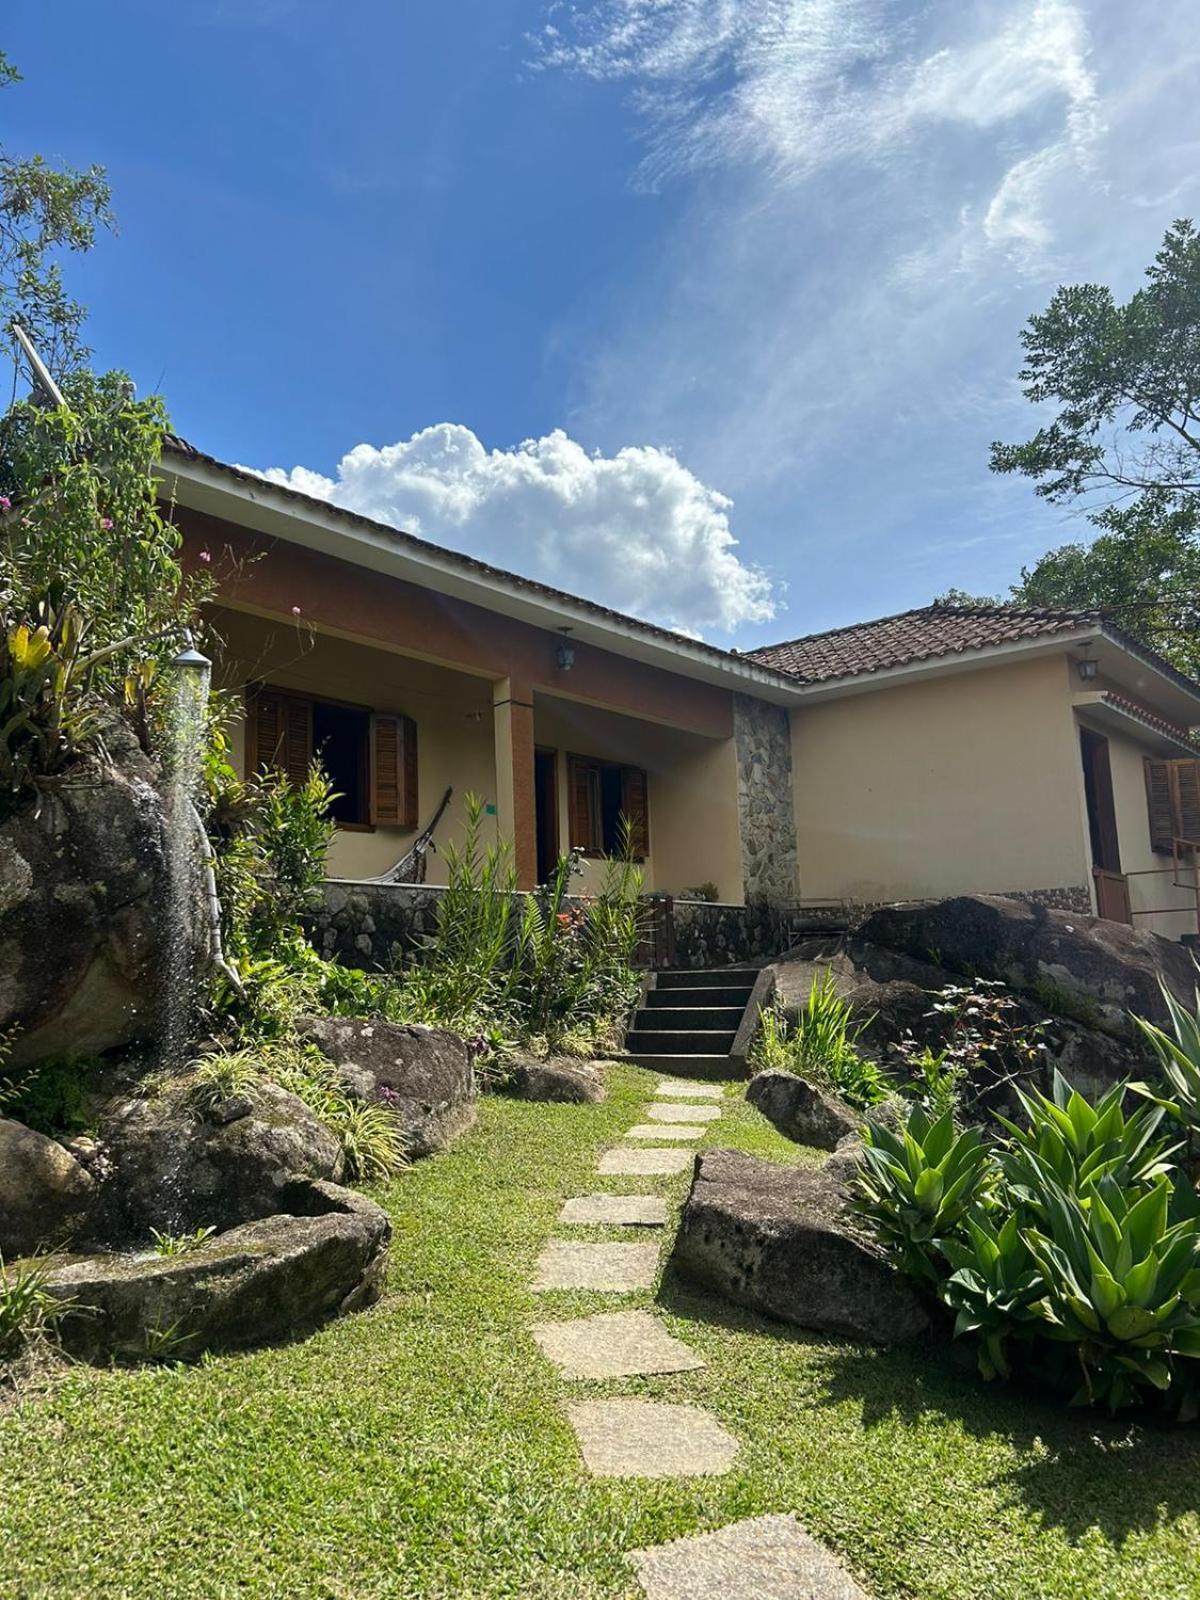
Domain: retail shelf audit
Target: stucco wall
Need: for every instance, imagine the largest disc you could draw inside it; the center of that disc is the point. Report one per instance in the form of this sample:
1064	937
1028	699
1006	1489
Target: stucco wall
957	784
452	710
692	784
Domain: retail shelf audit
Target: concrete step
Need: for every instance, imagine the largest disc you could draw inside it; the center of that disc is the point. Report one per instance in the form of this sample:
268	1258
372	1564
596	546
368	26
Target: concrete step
723	977
705	1017
699	999
688	1041
703	1068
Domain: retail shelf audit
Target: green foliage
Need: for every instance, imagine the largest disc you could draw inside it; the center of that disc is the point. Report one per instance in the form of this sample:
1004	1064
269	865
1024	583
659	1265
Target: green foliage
918	1185
180	1244
936	1081
1178	1057
45	211
370	1134
1125	438
28	1311
224	1076
1069	1249
54	1097
820	1044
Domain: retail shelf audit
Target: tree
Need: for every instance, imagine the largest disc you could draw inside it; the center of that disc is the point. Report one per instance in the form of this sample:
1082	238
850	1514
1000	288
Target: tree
1125	444
45	211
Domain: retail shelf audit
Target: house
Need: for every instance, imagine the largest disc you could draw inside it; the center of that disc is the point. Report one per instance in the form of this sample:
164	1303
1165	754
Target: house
945	750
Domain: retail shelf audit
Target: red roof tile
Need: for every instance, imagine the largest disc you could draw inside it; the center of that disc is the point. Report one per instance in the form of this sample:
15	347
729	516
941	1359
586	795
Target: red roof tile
914	636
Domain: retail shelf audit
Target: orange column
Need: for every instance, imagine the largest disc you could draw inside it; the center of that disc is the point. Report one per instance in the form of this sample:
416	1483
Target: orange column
512	713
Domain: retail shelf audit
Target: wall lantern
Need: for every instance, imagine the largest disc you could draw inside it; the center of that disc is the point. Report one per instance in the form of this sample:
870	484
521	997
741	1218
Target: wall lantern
565	655
1087	668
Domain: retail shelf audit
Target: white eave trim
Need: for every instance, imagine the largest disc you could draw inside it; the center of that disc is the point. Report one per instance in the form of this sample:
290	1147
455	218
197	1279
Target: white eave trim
259	506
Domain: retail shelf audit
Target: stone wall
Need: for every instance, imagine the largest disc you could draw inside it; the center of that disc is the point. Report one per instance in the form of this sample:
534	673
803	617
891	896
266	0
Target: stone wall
766	811
711	935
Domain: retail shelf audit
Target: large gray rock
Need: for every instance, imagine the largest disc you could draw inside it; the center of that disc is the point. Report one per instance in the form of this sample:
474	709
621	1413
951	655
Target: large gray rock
1099	970
557	1078
83	890
175	1169
323	1253
800	1110
45	1195
423	1074
778	1240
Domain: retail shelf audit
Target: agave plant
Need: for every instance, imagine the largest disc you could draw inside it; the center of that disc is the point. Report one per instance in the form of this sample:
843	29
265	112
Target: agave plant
917	1186
1179	1059
994	1288
1071	1143
1121	1283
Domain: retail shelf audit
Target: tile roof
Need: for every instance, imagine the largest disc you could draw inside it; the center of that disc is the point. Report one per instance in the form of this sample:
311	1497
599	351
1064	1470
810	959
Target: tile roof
913	636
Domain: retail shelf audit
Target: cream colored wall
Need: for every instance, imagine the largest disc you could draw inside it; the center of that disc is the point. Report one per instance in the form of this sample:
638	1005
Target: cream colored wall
1146	893
692	785
453	713
965	783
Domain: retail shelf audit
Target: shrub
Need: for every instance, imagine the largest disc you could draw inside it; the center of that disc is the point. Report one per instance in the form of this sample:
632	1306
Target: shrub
28	1311
1068	1248
821	1045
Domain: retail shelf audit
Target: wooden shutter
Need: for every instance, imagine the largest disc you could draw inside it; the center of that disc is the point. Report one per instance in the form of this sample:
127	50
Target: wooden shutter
279	733
635	807
1173	800
583	810
394	795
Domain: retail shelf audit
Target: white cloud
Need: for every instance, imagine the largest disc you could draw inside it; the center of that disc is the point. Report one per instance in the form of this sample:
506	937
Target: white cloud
635	530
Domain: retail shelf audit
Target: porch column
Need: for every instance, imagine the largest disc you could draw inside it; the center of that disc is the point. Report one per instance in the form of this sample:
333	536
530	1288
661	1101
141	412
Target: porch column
512	714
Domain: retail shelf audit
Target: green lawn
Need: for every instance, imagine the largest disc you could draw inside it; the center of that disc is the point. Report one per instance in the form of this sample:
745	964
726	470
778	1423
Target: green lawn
419	1449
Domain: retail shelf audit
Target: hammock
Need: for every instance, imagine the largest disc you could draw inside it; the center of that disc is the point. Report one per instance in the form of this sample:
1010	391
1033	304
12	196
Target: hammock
411	867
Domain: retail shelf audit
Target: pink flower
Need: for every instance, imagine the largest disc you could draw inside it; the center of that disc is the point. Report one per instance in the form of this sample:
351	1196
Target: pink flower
5	503
106	523
295	611
206	556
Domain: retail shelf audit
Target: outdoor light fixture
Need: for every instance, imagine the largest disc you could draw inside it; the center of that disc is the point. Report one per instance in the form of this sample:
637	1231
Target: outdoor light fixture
1087	668
189	658
566	652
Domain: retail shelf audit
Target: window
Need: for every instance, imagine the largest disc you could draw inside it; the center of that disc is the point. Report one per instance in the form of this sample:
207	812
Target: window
601	793
371	757
1173	798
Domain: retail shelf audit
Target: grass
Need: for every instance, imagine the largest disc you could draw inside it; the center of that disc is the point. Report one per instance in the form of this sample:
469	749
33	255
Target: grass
420	1449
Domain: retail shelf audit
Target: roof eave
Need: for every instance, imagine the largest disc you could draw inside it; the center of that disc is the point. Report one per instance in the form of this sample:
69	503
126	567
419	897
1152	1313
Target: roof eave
203	484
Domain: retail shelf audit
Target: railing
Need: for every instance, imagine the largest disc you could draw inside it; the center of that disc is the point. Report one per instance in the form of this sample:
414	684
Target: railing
1185	860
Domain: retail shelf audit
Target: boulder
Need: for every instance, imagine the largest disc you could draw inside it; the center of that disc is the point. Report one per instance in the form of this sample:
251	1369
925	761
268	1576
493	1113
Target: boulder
174	1169
45	1195
1085	967
801	1111
84	882
323	1253
779	1240
557	1078
424	1075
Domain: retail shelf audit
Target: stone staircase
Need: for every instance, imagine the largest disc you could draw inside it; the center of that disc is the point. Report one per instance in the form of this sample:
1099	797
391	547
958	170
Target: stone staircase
689	1022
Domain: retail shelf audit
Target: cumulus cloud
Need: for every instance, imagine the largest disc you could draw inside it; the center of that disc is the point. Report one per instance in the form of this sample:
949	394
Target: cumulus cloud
636	531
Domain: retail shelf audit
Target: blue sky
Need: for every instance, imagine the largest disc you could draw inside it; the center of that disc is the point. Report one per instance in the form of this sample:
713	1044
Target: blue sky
595	290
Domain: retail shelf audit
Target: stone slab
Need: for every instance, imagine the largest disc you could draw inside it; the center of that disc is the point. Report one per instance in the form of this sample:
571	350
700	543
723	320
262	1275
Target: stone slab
669	1113
763	1558
643	1163
616	1210
677	1089
619	1344
571	1264
647	1439
658	1130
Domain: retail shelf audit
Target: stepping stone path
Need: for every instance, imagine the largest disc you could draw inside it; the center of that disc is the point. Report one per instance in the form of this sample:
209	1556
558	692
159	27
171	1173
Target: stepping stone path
621	1344
643	1439
643	1163
617	1210
667	1113
763	1558
656	1130
567	1264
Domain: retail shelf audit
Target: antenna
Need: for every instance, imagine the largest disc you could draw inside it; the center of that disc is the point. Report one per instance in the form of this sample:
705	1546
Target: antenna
41	373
